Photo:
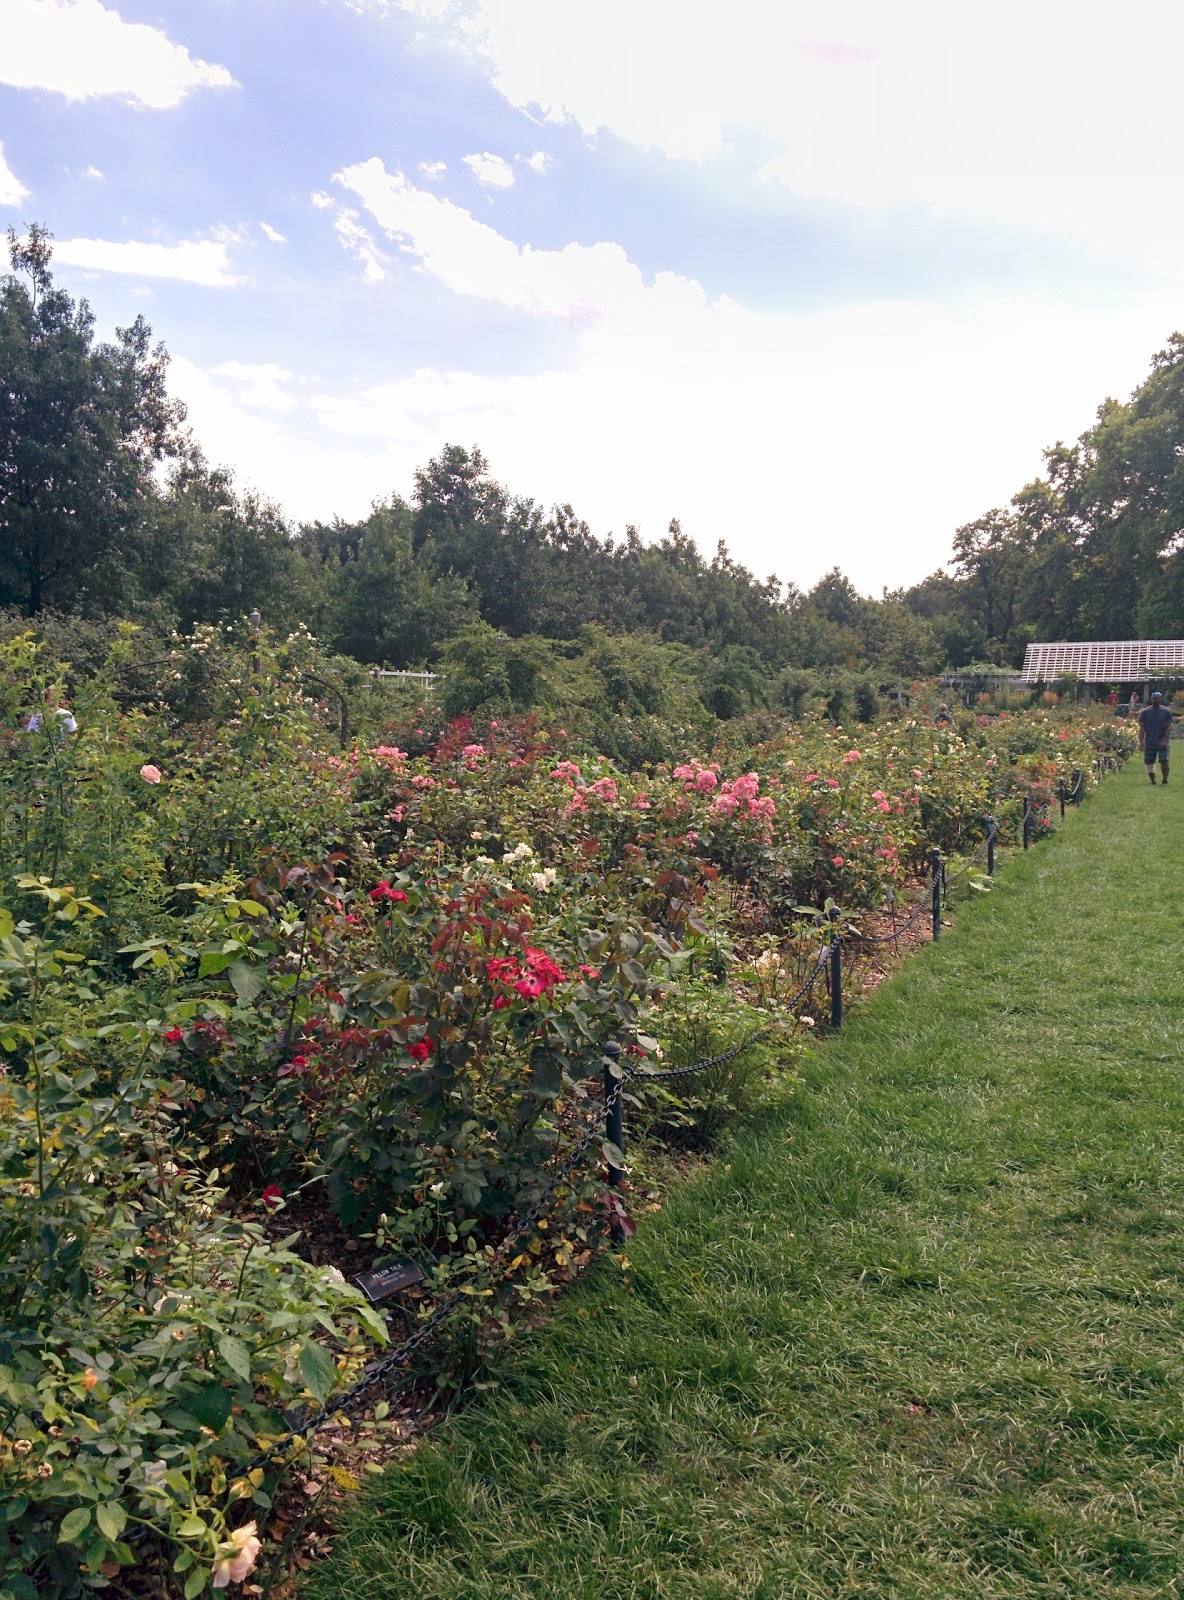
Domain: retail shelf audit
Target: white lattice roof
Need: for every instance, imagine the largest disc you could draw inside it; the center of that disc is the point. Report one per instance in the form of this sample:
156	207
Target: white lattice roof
1109	661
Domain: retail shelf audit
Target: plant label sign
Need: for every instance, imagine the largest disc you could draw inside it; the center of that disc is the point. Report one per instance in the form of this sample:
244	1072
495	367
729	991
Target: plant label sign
399	1273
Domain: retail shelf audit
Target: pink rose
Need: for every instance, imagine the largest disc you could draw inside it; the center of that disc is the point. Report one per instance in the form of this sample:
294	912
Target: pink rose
149	773
242	1551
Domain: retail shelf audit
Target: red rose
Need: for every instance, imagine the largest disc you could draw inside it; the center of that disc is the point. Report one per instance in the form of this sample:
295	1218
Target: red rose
383	891
174	1036
421	1050
272	1195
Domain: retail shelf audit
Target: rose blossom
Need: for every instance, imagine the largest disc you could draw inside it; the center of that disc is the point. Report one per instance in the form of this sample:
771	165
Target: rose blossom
245	1545
149	773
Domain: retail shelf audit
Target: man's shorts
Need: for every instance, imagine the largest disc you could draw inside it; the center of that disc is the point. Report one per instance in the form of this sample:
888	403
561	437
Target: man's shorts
1150	757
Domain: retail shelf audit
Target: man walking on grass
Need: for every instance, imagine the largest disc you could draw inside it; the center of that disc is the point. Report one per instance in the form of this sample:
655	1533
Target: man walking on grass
1155	730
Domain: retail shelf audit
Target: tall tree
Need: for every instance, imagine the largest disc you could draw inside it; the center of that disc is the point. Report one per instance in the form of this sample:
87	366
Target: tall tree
992	555
394	607
82	426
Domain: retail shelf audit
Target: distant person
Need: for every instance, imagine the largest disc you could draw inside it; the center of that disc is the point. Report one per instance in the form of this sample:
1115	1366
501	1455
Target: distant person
1155	730
943	718
1132	705
1112	699
64	723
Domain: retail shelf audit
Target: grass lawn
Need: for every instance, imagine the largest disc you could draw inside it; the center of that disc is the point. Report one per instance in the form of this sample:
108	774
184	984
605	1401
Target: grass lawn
917	1335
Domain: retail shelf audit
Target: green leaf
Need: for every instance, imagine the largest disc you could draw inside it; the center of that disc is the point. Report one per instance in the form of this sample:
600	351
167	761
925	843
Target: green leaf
184	1421
192	1528
236	1356
111	1518
74	1524
213	962
195	1582
247	979
317	1369
210	1405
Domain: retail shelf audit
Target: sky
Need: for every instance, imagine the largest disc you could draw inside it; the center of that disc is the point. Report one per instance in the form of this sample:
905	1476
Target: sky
821	280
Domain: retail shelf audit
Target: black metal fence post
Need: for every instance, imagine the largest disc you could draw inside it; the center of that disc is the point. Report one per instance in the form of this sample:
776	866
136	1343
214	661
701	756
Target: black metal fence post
614	1127
1061	796
1027	823
990	847
1078	785
935	863
836	972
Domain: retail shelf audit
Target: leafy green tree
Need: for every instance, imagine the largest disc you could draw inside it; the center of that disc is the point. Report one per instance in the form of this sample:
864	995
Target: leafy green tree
734	682
992	555
217	553
486	671
396	609
83	425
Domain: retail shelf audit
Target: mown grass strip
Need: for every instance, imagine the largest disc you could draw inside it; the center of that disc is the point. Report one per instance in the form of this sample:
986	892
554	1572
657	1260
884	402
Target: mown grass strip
917	1335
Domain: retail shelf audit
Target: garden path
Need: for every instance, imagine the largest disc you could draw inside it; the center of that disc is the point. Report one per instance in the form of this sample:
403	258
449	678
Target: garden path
916	1335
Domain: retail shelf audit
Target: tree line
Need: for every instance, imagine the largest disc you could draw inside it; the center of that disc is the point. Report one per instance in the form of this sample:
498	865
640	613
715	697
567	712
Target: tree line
108	508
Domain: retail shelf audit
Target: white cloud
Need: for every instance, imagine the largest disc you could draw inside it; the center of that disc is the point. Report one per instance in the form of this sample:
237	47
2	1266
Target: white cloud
360	245
1010	115
273	234
491	170
386	8
321	200
308	472
260	384
433	171
579	283
200	261
80	48
862	435
539	162
12	190
92	172
854	437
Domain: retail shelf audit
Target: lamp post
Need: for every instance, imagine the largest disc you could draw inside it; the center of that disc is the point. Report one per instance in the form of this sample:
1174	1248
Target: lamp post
256	622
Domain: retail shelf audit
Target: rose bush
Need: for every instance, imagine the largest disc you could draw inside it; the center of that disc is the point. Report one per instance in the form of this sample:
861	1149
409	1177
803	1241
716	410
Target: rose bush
238	960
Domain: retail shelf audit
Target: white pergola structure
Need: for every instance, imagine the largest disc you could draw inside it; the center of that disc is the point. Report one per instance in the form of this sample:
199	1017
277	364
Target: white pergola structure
1118	661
